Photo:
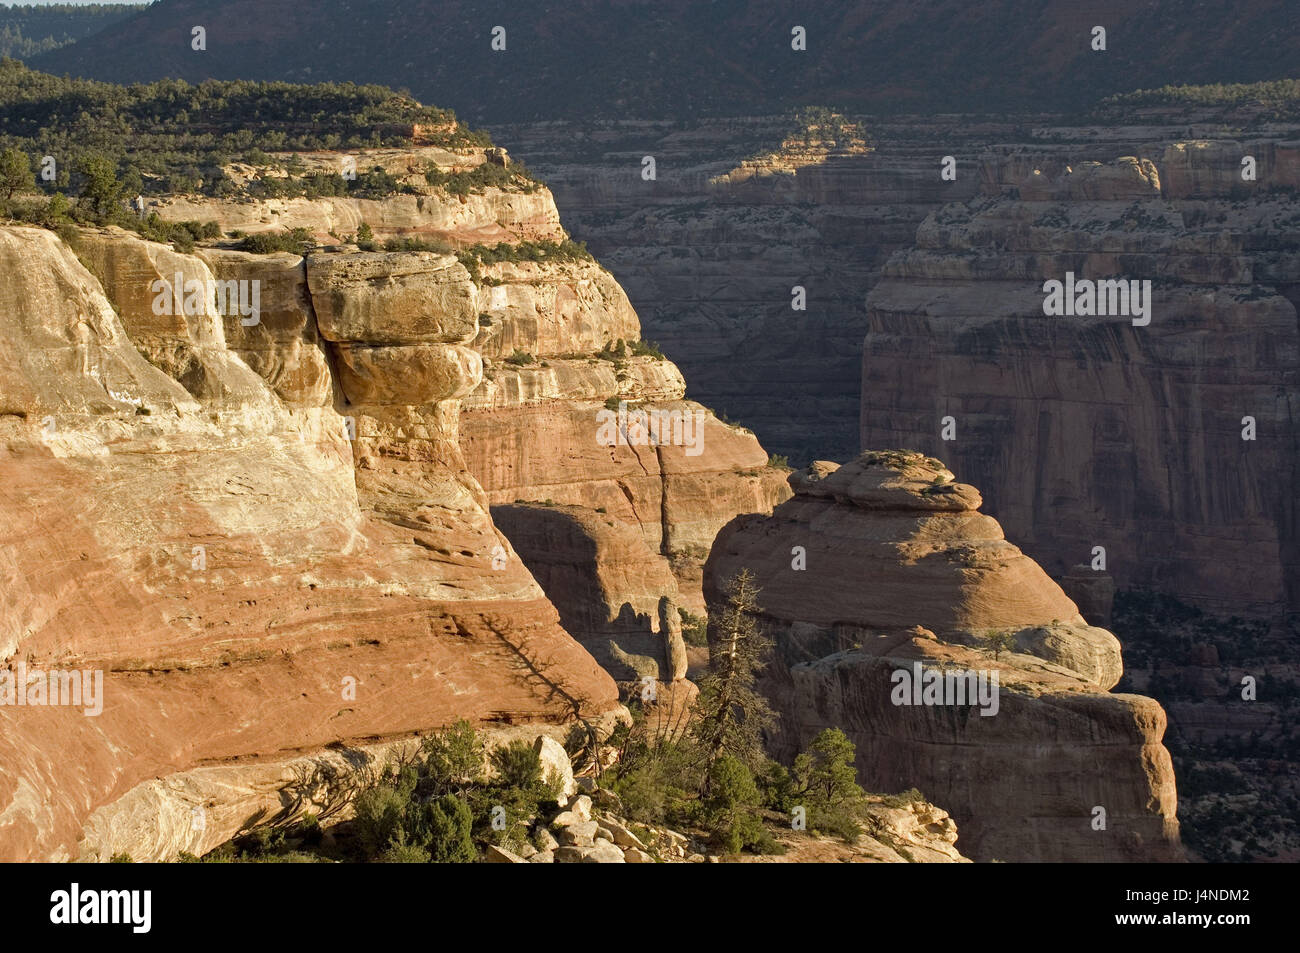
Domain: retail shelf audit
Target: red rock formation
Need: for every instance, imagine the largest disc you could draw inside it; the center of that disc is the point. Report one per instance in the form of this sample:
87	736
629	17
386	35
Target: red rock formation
214	553
532	431
235	518
1135	429
900	570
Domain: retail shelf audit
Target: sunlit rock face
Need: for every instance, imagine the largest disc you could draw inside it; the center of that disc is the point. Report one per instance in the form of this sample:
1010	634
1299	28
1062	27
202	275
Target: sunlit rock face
265	521
924	300
250	584
881	571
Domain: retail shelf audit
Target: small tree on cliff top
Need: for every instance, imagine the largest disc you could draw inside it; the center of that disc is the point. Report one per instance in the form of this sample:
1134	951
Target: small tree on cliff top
731	714
999	641
15	173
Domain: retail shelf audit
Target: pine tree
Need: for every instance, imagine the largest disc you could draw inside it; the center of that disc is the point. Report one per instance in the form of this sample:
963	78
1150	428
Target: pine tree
15	173
731	714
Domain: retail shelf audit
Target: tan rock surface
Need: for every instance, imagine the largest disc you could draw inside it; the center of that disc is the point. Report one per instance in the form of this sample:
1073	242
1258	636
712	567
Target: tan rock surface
393	297
284	346
237	519
309	575
884	558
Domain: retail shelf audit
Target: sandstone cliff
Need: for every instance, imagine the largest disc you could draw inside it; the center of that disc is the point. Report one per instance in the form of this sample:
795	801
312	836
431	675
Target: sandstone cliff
200	533
948	297
272	534
741	212
559	342
1135	429
902	569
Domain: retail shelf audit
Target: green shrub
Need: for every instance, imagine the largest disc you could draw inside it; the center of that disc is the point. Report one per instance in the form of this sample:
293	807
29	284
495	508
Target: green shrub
417	244
644	792
647	349
366	238
730	810
826	783
518	765
405	854
695	629
381	812
451	826
998	641
295	240
453	758
904	799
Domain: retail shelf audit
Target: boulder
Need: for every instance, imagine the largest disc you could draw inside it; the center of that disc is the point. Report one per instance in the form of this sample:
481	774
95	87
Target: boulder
906	581
398	298
578	834
556	763
603	853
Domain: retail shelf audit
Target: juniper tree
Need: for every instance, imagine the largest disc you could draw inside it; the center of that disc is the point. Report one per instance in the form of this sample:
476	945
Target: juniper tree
731	714
15	173
999	641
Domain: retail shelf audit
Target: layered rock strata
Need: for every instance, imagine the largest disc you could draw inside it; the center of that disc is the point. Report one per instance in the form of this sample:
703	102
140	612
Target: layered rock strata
742	211
886	566
263	527
1162	442
200	535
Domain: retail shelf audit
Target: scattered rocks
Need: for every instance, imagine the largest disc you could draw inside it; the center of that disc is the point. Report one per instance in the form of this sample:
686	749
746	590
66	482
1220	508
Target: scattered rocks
620	835
578	833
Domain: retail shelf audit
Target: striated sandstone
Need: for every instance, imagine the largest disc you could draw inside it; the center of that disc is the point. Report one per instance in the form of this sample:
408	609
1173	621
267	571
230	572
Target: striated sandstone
953	321
284	347
393	297
1108	409
529	433
237	520
216	553
893	544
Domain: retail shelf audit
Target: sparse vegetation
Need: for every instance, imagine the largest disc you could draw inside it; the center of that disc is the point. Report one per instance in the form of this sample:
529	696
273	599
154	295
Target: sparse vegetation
647	349
695	629
486	175
1280	97
998	641
437	806
295	240
366	237
175	137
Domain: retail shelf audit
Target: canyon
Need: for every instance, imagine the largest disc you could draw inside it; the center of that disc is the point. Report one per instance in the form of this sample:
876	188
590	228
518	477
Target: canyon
924	303
293	544
275	537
